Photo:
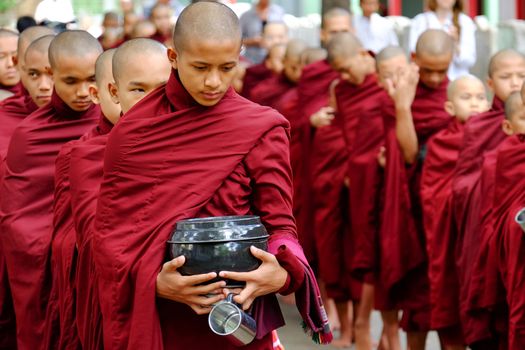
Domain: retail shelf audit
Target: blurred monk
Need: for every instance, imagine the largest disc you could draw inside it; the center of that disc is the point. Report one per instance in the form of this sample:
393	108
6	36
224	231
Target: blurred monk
9	76
161	17
143	29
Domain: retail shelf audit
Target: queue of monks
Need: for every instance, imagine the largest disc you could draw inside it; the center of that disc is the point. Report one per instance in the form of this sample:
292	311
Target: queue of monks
384	186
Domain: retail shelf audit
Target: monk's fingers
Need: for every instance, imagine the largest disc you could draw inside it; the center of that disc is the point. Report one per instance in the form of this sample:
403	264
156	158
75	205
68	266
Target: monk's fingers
199	309
212	288
247	295
174	264
237	276
227	291
262	255
205	300
198	279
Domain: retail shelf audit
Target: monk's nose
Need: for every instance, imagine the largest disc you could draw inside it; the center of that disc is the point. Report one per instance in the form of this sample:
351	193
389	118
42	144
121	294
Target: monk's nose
212	80
83	90
46	83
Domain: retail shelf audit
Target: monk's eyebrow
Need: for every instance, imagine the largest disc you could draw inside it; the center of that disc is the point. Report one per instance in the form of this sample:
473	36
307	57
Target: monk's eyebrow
136	83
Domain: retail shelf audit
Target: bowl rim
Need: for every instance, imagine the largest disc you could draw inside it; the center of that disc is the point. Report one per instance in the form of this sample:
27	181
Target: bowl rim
256	238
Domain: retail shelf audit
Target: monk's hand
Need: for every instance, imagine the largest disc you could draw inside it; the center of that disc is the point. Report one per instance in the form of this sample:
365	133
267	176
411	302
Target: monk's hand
322	117
187	289
381	157
268	278
402	88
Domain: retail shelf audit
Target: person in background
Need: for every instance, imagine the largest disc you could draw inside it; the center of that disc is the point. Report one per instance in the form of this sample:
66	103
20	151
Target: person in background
252	24
372	29
130	18
25	22
448	15
111	31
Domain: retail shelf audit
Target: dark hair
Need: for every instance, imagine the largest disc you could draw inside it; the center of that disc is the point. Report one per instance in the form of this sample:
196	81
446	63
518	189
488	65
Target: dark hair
25	22
457	9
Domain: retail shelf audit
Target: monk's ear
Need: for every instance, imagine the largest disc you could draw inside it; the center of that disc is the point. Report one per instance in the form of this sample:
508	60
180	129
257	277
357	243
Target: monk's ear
413	57
449	108
49	70
507	127
490	84
172	56
113	92
15	60
93	94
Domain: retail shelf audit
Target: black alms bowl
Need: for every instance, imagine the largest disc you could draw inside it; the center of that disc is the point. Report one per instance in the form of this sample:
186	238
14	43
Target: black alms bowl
217	244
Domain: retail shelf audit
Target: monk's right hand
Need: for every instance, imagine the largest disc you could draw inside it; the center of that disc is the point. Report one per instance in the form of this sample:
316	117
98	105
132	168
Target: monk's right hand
402	88
322	117
187	289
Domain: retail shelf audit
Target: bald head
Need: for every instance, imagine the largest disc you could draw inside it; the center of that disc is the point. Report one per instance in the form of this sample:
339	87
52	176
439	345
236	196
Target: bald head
206	21
390	52
313	54
28	36
343	45
334	13
294	49
40	46
72	44
502	57
468	79
435	42
131	52
7	33
103	67
513	105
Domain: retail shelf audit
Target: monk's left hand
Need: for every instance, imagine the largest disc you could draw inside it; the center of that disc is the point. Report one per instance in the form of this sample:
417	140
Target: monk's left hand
268	278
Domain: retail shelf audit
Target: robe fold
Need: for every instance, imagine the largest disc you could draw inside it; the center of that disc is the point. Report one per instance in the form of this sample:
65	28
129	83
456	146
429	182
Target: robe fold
268	91
361	116
16	90
26	203
12	111
253	76
326	196
85	175
403	271
482	133
436	199
171	159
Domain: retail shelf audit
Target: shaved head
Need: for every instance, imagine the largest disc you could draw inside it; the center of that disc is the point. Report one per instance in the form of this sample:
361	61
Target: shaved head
313	54
343	45
40	45
29	35
35	74
388	53
9	74
334	13
143	29
513	104
465	79
294	49
103	66
500	58
5	33
131	51
73	43
435	42
206	21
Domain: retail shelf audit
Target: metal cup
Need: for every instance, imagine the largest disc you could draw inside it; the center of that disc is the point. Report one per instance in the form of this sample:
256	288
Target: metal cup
520	218
229	320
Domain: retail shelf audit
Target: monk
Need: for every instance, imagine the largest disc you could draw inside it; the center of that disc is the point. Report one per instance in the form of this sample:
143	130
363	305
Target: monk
269	90
37	92
161	16
26	220
9	76
482	134
129	20
213	153
466	96
415	113
143	29
274	33
325	196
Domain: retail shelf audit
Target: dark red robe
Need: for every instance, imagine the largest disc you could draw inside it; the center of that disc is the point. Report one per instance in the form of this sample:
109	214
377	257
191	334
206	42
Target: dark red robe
440	232
16	89
360	110
324	191
403	269
12	111
85	175
26	202
482	134
253	76
170	159
268	91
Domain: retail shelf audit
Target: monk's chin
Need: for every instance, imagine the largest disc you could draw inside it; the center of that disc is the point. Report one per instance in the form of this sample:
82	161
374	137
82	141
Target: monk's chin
80	106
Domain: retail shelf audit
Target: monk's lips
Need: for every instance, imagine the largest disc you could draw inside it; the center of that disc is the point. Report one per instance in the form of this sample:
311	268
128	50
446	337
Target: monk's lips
220	243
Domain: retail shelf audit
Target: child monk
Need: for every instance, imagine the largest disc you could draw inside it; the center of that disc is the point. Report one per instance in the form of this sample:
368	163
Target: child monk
161	16
209	153
482	134
9	76
37	90
26	220
416	114
466	96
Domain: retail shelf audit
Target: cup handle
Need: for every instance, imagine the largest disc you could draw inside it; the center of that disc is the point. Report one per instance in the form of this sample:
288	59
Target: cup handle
229	298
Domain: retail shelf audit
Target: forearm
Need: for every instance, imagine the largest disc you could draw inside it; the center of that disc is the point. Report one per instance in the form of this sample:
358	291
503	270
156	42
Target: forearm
406	134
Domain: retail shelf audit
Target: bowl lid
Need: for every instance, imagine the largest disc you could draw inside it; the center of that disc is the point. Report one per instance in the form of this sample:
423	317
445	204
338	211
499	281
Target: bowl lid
218	229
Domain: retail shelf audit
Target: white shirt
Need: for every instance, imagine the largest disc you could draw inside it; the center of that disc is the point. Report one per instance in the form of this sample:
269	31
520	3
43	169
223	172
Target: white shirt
55	11
467	41
375	33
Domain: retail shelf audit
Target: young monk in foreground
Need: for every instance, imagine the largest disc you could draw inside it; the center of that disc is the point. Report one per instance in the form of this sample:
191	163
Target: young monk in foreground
466	96
198	129
9	76
26	220
415	112
38	86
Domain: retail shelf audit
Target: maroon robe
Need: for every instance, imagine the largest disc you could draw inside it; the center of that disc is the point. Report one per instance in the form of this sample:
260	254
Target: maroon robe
436	197
12	111
85	175
324	172
403	269
482	134
26	220
268	91
361	117
238	165
16	89
253	76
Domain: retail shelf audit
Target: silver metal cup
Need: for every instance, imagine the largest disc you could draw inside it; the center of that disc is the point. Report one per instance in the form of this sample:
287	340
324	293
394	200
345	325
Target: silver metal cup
520	218
229	320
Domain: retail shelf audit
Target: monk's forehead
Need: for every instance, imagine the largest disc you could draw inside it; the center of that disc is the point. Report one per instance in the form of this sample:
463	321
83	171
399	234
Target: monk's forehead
506	59
8	43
